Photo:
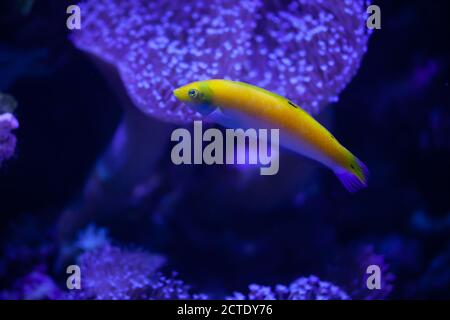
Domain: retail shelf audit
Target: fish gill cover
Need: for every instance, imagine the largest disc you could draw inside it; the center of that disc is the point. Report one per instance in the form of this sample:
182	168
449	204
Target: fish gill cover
308	50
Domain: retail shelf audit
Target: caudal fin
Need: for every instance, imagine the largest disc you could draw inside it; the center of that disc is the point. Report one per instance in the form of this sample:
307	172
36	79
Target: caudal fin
354	177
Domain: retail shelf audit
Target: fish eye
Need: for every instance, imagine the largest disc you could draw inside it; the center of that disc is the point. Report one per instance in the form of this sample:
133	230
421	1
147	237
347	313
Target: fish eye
193	93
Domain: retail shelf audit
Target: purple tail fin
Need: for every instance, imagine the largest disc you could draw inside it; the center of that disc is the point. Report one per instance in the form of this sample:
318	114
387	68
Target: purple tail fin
354	179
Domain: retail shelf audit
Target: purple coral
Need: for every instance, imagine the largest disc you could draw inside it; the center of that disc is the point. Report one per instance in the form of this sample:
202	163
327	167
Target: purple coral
305	288
92	238
37	285
114	273
352	273
307	49
366	257
171	288
8	123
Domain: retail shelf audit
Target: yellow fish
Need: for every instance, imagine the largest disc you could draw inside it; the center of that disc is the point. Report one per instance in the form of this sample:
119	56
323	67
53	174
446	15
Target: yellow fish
241	105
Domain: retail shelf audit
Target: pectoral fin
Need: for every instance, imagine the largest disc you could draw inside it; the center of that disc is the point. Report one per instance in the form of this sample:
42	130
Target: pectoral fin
219	117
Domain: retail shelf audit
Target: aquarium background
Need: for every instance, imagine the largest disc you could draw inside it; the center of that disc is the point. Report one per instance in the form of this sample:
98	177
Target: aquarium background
143	228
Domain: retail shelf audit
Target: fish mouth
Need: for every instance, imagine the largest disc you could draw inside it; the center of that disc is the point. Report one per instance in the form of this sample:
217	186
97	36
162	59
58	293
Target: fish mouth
178	93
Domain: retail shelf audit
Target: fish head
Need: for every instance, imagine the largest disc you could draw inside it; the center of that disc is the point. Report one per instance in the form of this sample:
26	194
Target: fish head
197	95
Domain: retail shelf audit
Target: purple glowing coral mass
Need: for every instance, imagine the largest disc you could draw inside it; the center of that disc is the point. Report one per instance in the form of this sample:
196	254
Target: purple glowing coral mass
113	273
8	123
306	50
305	288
